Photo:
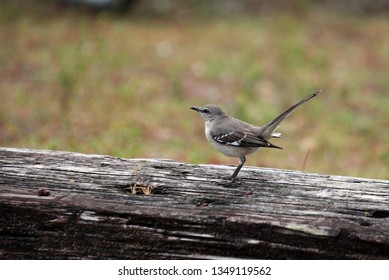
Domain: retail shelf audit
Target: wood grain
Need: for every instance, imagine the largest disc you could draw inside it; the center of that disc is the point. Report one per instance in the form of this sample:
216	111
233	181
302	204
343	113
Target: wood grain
63	205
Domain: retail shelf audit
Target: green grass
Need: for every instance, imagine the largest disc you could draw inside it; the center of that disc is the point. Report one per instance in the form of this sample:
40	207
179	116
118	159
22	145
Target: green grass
123	85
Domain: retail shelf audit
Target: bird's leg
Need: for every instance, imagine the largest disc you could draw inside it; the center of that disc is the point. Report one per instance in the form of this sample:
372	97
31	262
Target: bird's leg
242	160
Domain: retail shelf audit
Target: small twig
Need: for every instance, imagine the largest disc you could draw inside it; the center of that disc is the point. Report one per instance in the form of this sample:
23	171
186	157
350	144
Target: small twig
307	154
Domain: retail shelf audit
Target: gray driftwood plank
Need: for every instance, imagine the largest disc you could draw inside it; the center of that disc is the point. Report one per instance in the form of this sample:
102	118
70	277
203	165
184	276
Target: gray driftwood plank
192	212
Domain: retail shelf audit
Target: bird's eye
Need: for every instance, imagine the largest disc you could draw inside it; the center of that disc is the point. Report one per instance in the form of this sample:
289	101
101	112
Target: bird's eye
206	111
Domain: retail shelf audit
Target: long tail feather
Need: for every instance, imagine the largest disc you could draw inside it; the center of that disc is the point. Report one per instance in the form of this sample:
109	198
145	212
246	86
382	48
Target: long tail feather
268	129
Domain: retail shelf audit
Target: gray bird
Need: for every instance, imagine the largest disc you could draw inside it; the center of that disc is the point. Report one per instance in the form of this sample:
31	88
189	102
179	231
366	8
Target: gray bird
236	138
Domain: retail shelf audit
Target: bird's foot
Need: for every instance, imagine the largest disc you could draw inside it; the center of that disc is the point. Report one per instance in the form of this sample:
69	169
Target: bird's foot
231	178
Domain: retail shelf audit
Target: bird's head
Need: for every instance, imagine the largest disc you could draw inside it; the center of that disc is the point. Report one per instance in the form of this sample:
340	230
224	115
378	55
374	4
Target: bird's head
209	112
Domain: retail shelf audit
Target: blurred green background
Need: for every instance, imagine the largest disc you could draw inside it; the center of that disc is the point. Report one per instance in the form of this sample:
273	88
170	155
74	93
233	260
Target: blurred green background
121	82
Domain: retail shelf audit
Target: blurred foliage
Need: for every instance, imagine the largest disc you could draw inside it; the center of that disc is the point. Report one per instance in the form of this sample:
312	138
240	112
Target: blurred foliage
92	81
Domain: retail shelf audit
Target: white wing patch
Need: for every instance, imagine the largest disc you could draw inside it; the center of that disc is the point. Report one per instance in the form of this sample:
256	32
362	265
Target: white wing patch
237	143
242	139
222	139
219	138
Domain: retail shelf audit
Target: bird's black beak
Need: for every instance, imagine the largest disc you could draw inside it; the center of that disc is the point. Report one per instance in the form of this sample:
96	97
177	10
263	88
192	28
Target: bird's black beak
198	109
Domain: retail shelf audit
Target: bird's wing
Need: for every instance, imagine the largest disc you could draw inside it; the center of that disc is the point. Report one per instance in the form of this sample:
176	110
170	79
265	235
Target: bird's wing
240	138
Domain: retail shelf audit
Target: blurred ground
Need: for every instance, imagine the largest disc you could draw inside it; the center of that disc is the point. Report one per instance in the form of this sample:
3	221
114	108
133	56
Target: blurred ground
99	82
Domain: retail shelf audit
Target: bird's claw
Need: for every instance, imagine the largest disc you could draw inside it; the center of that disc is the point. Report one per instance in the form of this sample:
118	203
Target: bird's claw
231	179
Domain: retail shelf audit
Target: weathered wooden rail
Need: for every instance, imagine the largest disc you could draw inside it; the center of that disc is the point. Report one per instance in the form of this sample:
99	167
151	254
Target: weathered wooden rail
62	205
